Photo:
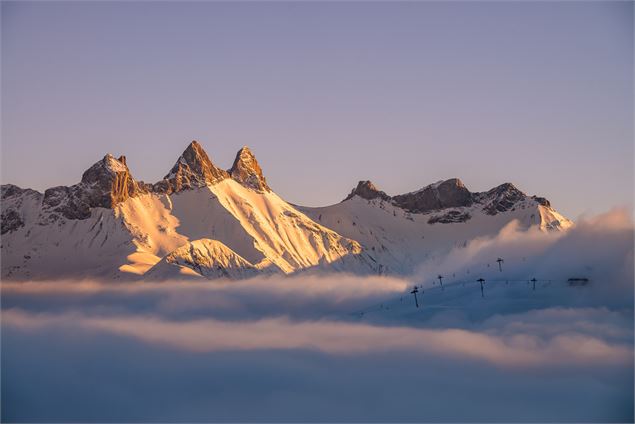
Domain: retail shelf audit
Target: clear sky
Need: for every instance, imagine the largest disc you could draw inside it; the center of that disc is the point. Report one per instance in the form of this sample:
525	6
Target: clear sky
404	94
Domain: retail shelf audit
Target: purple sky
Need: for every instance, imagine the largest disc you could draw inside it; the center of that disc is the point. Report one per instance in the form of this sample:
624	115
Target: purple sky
326	94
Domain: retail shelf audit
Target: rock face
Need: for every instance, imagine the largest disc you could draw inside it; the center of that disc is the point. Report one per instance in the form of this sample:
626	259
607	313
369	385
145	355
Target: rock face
542	201
502	198
193	169
247	171
109	182
444	194
10	190
11	221
450	217
104	185
451	198
367	190
13	198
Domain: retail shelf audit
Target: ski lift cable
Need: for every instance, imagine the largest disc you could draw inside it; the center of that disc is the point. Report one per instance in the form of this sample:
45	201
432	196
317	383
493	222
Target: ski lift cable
455	284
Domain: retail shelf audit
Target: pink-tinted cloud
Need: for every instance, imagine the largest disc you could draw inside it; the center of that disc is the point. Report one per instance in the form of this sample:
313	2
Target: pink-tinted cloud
519	349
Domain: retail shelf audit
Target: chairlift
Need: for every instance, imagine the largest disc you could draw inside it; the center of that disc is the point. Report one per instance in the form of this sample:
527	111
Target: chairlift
480	280
500	261
414	291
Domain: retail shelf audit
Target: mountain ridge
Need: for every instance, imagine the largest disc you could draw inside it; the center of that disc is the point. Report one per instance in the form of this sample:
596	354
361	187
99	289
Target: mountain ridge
234	224
446	194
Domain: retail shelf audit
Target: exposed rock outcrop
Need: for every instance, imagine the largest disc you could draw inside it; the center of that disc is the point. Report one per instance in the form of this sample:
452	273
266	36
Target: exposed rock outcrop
109	182
9	190
450	194
193	169
12	216
501	199
247	171
104	185
367	190
542	201
443	194
450	217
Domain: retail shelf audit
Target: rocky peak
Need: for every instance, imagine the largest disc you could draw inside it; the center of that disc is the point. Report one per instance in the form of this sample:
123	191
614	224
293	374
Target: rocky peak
541	201
105	170
504	188
109	182
104	185
448	194
453	192
246	171
501	198
193	169
11	190
12	214
367	190
440	195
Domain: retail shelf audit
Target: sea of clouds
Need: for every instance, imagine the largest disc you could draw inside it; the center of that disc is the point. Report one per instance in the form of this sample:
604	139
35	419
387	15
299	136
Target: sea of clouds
339	347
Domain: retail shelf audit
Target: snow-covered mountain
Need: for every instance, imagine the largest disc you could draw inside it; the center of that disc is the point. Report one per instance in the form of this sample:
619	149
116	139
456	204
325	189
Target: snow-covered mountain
402	231
203	221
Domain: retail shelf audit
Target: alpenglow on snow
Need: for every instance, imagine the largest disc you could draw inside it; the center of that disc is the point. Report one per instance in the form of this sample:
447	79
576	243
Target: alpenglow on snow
201	221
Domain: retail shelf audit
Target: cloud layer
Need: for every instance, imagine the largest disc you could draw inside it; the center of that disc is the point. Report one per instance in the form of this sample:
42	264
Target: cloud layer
599	248
339	348
524	346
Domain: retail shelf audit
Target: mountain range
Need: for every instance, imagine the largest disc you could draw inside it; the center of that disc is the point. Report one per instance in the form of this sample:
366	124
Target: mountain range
201	221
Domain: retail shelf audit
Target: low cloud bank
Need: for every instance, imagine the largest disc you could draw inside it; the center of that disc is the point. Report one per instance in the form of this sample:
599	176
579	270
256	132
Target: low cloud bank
548	365
338	347
522	346
599	248
298	297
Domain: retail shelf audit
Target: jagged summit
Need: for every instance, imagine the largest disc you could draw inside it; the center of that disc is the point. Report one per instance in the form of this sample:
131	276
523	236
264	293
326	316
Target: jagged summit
105	184
107	168
193	169
448	194
247	171
11	218
367	190
440	195
108	182
502	198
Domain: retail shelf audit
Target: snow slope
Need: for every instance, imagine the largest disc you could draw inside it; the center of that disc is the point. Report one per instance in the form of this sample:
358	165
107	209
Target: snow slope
258	226
202	258
95	246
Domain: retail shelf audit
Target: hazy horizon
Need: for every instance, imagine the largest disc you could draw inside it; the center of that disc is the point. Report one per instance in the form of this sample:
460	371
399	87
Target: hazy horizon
326	94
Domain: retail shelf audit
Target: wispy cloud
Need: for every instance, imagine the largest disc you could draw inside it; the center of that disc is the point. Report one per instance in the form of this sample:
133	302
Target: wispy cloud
523	347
